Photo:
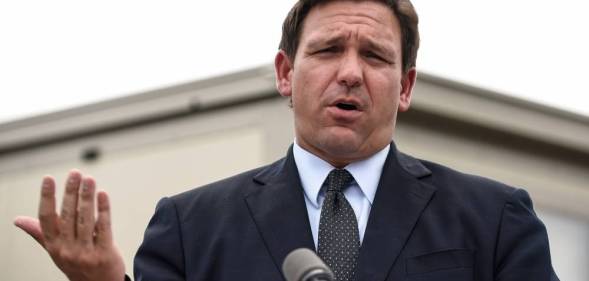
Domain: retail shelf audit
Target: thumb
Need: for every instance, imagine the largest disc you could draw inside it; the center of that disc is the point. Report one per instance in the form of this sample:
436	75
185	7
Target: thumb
30	226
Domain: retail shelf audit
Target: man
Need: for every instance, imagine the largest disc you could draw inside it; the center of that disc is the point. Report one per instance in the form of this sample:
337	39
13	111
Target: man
372	212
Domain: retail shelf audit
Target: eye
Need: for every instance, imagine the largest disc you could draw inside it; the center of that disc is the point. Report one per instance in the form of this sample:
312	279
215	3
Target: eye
331	49
376	57
372	55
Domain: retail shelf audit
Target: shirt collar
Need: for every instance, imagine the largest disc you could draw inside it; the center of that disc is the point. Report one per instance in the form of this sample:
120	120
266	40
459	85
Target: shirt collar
313	171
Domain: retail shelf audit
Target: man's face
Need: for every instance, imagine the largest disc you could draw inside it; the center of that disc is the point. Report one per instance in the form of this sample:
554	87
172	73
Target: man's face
346	81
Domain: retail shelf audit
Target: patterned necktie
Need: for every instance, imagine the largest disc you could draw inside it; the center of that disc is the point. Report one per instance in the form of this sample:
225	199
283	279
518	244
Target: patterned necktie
339	240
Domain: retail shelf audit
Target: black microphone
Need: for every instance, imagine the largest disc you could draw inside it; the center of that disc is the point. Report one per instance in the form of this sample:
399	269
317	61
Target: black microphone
304	265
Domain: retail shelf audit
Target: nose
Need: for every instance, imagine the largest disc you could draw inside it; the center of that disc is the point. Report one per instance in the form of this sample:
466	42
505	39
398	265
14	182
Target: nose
350	71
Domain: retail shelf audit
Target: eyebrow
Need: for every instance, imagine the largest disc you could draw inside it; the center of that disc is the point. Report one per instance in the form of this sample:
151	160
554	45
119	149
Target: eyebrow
381	49
322	41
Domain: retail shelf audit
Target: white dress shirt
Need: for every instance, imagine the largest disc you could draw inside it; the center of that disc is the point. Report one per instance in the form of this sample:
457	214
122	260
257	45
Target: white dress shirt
313	171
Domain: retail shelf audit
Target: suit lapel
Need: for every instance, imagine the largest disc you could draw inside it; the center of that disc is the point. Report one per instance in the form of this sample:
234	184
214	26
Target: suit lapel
277	206
399	201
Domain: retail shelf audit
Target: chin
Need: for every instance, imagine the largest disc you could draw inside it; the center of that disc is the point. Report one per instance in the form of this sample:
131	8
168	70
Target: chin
341	145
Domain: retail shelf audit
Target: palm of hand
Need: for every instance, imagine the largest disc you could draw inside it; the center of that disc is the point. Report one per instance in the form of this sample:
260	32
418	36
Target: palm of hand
79	242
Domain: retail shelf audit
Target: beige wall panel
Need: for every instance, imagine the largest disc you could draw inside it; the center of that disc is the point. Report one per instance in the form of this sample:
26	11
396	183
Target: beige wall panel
135	178
569	245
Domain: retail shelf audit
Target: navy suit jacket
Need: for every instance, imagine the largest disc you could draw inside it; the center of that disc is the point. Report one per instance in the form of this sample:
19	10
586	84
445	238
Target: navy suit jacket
427	222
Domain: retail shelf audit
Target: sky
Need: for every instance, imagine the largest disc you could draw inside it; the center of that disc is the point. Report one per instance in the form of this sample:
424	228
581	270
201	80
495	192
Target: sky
63	53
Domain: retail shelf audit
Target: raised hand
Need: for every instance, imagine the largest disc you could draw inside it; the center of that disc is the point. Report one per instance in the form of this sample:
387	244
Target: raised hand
79	242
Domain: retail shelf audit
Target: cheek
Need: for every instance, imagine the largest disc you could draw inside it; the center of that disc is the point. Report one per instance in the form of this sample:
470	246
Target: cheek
385	99
310	86
316	73
385	112
383	89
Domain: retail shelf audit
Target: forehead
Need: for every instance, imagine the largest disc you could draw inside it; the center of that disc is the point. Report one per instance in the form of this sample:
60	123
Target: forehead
368	18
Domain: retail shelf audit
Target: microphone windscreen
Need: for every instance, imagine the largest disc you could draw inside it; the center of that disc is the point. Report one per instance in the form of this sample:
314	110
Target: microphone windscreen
304	265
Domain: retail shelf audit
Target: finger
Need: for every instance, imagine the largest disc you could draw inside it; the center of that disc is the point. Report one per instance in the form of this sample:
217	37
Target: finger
48	219
85	218
69	205
103	223
31	226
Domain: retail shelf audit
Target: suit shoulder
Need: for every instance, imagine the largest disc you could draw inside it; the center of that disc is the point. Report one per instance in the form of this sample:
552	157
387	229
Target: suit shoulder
479	198
450	180
218	194
227	186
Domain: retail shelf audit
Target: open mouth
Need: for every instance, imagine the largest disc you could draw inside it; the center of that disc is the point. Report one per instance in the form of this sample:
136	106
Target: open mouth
346	106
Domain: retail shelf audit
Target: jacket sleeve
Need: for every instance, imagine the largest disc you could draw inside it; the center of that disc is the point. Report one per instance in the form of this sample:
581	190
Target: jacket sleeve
522	251
161	255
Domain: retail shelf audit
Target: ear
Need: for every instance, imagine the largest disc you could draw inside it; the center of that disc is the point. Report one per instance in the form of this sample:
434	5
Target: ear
283	68
407	83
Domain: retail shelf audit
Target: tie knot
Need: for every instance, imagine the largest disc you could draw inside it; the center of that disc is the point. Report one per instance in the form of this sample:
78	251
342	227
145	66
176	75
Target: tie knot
338	179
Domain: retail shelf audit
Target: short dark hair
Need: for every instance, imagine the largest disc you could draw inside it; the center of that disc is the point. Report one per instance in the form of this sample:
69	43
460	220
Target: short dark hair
403	10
